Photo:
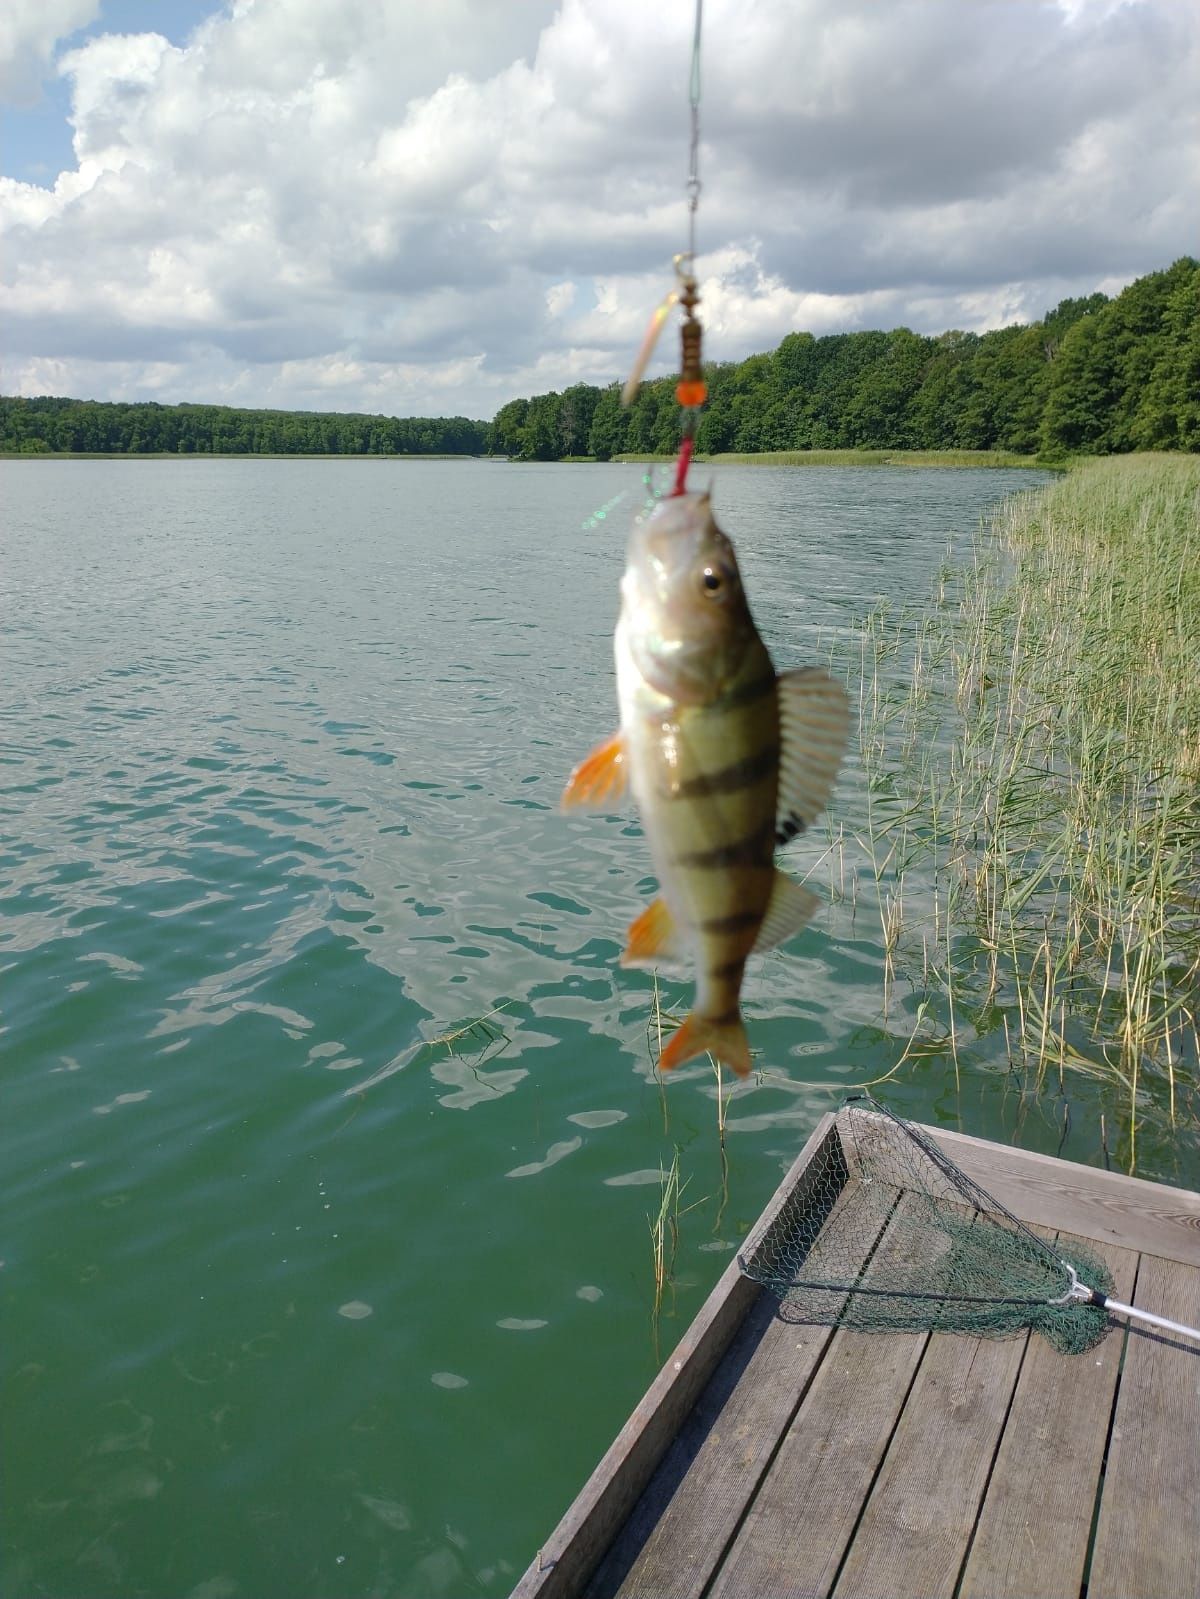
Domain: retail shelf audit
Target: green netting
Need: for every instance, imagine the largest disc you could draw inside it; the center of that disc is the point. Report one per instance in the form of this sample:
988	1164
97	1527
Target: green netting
884	1234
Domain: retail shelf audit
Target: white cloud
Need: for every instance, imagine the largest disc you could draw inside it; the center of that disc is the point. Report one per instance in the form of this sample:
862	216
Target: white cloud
29	30
419	208
560	297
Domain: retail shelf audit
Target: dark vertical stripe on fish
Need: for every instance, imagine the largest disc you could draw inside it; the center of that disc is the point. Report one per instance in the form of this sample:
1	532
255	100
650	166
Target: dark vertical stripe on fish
731	779
754	850
728	971
727	1020
748	693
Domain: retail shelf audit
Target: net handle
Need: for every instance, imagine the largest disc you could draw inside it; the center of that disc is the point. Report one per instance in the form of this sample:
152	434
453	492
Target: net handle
1081	1293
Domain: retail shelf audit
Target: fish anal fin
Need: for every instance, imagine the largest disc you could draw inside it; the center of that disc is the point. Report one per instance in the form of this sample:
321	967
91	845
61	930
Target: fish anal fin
653	938
700	1035
814	722
600	779
790	908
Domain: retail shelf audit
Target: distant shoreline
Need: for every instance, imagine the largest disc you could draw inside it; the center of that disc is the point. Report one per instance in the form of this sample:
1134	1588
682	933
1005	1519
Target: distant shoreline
976	458
986	459
223	455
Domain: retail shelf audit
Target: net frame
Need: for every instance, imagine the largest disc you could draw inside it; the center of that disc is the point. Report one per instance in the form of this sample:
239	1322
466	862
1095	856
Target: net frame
884	1232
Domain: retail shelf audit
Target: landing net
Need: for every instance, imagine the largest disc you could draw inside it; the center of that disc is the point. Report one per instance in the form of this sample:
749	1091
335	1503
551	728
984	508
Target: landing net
885	1233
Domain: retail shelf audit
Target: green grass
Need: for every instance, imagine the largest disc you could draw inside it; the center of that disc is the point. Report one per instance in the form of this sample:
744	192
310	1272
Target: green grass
1032	746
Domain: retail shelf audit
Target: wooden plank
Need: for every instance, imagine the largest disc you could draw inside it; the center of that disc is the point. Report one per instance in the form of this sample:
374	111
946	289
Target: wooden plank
1036	1522
1159	1220
678	1534
1148	1533
793	1538
566	1561
792	1541
680	1527
1149	1217
915	1530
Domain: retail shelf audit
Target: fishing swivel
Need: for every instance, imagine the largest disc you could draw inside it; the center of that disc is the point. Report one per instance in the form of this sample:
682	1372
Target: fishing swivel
691	391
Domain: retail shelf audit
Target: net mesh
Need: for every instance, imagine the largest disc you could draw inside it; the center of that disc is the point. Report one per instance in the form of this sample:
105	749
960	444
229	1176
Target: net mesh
884	1233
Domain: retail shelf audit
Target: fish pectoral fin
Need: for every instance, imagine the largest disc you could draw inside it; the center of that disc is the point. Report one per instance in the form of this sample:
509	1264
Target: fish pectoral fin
814	722
791	907
698	1035
653	939
601	778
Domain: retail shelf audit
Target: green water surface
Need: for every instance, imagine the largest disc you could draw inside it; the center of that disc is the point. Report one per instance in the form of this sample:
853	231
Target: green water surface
293	1305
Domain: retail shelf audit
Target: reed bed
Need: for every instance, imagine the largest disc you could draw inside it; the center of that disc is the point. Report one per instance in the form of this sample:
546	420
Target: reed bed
863	457
1031	743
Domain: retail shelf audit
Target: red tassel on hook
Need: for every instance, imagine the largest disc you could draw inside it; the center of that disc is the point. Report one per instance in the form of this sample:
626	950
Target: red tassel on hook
681	466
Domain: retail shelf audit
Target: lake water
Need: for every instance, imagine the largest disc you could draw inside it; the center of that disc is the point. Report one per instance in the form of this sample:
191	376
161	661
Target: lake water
299	1302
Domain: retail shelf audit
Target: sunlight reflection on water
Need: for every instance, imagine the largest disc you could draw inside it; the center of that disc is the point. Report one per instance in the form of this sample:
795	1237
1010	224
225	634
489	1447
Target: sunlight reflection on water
285	746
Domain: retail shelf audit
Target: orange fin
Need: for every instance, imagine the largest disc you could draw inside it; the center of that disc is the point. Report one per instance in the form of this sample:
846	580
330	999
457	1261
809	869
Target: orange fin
726	1040
653	938
600	778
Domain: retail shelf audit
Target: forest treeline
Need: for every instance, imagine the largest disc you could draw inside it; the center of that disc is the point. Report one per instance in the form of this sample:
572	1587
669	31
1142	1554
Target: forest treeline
34	427
1095	376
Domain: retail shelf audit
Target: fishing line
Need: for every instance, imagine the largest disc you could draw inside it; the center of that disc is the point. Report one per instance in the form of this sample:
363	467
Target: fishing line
693	182
691	391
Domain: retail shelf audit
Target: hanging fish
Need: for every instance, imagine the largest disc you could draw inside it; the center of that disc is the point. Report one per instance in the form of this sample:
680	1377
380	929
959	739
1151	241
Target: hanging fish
725	758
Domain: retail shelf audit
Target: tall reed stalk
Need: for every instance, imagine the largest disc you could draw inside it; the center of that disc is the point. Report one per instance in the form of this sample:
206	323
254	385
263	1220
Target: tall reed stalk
1032	744
664	1238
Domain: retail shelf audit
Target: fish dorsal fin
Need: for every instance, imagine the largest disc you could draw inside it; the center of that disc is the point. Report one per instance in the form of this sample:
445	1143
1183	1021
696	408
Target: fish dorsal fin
814	720
653	939
790	908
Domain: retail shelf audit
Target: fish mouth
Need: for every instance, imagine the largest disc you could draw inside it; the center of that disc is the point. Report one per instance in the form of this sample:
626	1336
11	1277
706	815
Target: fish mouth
686	617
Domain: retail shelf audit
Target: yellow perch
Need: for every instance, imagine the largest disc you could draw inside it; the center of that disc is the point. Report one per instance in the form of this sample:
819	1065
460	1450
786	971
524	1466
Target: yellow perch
725	759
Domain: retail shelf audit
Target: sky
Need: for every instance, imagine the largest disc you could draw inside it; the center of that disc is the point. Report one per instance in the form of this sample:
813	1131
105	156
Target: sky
429	207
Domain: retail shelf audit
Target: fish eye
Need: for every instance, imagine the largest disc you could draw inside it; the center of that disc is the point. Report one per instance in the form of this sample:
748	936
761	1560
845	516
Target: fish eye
713	580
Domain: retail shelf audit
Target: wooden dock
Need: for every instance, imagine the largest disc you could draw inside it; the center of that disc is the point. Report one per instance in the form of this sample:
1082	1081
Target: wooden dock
773	1459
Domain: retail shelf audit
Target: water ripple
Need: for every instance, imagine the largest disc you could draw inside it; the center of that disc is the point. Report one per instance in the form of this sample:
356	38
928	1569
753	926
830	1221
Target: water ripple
284	891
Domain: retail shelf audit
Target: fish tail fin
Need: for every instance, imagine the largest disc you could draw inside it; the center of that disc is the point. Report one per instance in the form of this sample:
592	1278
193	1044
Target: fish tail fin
699	1035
